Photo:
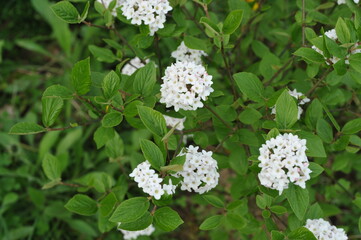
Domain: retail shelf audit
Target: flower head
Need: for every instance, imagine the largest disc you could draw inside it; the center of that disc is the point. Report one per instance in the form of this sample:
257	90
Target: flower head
129	235
323	230
185	54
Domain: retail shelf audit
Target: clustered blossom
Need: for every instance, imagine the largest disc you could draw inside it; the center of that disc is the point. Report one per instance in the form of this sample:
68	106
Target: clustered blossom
283	160
133	65
172	122
323	230
199	171
301	98
331	34
185	54
339	2
185	84
129	235
148	12
150	181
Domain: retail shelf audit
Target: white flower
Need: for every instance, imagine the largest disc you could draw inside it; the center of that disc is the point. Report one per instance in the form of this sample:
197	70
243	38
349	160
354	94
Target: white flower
283	160
185	54
133	65
150	182
323	230
302	99
339	2
106	4
150	12
128	235
199	171
185	84
175	122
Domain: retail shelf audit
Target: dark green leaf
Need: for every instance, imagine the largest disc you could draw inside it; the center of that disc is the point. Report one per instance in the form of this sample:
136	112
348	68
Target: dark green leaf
145	79
142	223
250	85
342	31
167	219
286	110
152	153
112	119
82	204
214	200
80	76
310	55
301	233
153	120
66	11
352	127
298	199
232	21
130	210
211	222
51	109
195	43
102	54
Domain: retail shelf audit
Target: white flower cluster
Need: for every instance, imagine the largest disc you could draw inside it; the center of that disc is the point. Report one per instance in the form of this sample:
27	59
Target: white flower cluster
199	171
129	235
185	84
323	230
185	54
283	160
133	65
150	182
302	99
339	2
172	122
150	12
331	34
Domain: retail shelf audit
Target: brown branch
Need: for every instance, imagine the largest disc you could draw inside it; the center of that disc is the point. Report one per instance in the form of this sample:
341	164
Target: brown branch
229	72
318	82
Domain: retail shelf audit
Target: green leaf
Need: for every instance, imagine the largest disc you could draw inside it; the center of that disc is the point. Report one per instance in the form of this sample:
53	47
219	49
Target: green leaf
51	109
25	128
152	153
232	22
355	62
301	233
195	43
153	120
210	26
352	127
144	80
330	116
314	144
286	110
110	85
359	224
66	11
324	130
316	169
310	55
278	210
167	219
112	119
276	235
250	85
142	223
235	220
84	14
342	31
107	204
82	204
313	113
80	76
214	200
102	135
130	210
51	167
58	91
115	147
249	116
211	222
102	54
298	199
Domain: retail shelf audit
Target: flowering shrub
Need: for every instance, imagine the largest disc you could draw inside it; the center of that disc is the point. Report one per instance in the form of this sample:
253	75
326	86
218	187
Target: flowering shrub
180	119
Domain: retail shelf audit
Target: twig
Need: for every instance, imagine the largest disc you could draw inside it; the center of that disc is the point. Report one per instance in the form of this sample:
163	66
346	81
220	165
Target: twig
71	184
280	70
217	116
229	72
159	56
303	23
318	82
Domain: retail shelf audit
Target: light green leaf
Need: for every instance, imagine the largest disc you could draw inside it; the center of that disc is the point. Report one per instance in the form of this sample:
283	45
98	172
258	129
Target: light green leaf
112	119
324	130
167	219
130	210
286	111
310	55
236	221
58	91
214	200
355	62
110	85
301	233
102	54
211	222
232	21
51	109
145	79
250	85
51	167
82	204
298	199
314	144
85	12
342	31
66	11
80	76
25	128
102	135
142	223
195	43
152	153
352	127
153	120
107	204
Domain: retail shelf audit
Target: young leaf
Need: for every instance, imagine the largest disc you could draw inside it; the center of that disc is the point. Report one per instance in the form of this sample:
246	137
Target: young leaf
80	76
110	85
342	31
211	222
82	204
167	219
85	12
51	167
195	43
352	127
152	153
51	109
232	21
214	200
130	210
25	128
153	120
112	119
210	26
145	79
286	110
310	55
66	11
298	199
250	85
